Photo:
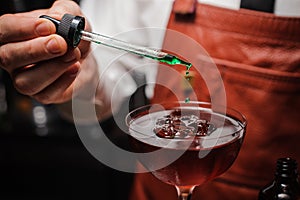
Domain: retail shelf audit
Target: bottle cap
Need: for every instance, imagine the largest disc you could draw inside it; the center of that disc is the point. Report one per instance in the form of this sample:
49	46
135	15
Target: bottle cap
69	27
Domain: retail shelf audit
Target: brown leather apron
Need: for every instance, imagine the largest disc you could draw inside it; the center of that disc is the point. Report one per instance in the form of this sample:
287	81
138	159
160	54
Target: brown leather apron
258	57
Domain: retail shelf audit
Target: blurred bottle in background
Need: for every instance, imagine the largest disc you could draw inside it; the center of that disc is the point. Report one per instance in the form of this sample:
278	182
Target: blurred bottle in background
285	185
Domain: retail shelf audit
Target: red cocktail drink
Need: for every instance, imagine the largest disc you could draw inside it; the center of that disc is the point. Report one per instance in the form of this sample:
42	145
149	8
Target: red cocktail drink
186	144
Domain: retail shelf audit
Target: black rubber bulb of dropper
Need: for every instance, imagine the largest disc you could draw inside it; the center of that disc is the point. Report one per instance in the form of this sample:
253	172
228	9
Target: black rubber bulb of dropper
69	27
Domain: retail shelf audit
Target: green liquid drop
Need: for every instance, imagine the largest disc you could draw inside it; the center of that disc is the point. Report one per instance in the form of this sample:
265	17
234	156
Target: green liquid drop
173	60
188	78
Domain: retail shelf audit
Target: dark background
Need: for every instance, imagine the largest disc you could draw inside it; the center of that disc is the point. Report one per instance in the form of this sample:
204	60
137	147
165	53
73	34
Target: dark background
48	160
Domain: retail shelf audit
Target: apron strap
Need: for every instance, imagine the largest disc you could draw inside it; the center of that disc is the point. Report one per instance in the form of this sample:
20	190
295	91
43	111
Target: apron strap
185	10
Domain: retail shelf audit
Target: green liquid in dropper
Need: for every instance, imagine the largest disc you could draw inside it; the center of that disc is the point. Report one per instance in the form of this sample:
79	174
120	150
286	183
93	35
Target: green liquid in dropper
173	60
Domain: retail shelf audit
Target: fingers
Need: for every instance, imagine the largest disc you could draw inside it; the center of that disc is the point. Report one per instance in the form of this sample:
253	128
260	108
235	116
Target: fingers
81	78
15	28
39	61
61	90
16	55
33	79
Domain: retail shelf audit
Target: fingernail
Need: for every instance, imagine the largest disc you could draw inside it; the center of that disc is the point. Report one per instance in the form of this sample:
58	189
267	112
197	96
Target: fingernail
53	46
43	28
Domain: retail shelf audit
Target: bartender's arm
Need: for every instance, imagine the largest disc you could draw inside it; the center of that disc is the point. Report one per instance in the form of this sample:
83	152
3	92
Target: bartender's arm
40	63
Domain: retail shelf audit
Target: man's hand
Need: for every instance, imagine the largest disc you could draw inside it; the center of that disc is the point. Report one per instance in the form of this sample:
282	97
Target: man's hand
39	61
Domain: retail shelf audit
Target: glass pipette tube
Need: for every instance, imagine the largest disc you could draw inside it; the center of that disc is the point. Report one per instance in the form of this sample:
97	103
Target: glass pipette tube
139	50
71	28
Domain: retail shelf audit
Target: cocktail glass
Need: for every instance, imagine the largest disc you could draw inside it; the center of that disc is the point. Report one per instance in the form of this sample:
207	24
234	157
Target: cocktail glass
186	144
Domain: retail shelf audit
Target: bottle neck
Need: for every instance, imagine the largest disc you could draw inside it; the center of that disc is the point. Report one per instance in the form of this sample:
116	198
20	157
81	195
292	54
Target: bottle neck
286	169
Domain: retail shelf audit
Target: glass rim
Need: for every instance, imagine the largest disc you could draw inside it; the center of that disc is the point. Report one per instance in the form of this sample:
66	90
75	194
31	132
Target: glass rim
241	119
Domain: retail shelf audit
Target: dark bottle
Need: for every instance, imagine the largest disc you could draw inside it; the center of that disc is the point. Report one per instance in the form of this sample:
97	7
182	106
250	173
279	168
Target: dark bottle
285	185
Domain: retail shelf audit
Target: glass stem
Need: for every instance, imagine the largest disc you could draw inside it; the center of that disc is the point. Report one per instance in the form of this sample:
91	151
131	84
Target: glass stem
185	192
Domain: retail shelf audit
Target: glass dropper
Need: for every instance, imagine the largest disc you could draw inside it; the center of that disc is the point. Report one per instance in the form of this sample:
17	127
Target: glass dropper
71	28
